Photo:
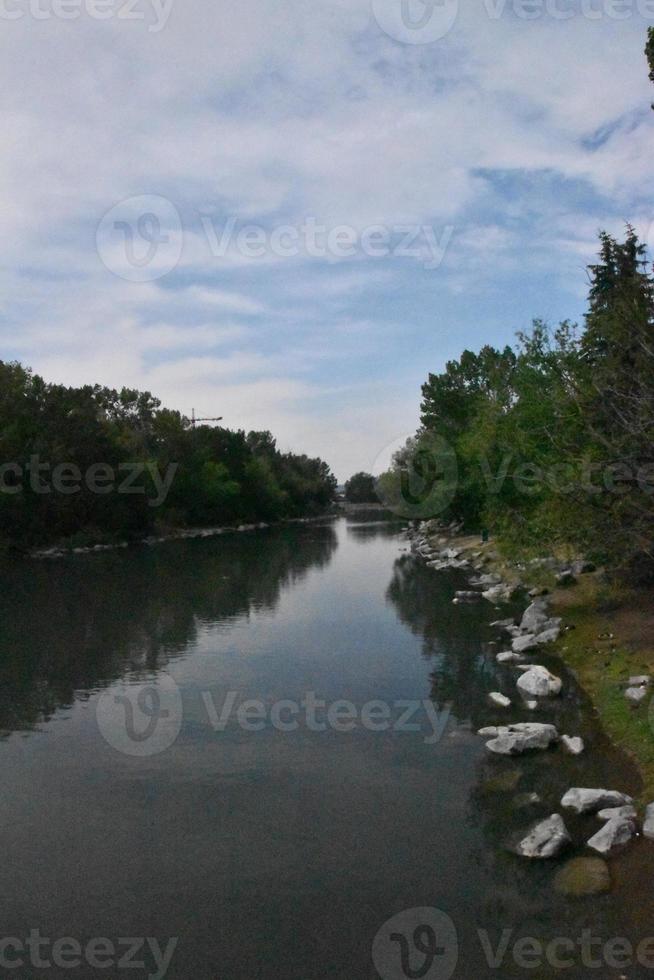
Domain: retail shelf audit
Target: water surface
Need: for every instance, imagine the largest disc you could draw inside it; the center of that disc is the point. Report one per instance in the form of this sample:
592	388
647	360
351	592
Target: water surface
278	854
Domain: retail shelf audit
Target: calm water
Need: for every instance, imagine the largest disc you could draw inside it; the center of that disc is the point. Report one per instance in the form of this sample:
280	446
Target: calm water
269	853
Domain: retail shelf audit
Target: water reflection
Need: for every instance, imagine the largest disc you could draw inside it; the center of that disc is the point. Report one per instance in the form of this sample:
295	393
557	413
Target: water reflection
507	795
72	625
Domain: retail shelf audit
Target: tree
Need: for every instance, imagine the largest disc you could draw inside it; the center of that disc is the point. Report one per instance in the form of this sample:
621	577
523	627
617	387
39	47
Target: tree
360	489
649	52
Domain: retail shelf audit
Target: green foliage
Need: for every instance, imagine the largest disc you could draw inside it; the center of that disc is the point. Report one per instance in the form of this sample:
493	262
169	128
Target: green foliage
554	440
217	476
649	51
360	489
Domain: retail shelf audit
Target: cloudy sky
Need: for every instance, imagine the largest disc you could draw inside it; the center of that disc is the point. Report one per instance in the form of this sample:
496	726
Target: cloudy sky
287	212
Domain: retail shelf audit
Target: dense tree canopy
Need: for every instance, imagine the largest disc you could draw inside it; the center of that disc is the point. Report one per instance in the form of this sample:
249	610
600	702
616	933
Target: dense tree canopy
360	489
554	441
93	463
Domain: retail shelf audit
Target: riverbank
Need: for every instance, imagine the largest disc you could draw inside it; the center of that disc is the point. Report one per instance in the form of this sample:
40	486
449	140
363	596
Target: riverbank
607	637
170	534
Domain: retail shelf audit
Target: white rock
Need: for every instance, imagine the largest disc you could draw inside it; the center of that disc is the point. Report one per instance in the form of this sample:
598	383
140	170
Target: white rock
648	823
549	636
534	617
614	833
593	800
573	744
499	700
522	737
503	623
498	593
508	657
522	643
545	839
640	680
635	694
618	811
539	682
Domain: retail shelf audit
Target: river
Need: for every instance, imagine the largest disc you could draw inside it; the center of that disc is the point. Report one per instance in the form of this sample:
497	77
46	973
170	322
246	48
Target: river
176	766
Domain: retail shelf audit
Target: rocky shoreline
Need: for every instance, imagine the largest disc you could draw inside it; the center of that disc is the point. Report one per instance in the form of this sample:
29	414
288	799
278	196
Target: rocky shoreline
444	548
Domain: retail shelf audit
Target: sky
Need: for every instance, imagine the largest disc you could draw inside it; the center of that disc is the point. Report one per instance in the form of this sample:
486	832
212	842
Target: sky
288	212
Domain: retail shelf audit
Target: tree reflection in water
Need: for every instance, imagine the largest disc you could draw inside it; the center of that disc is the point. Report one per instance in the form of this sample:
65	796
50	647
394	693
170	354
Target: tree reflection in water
72	625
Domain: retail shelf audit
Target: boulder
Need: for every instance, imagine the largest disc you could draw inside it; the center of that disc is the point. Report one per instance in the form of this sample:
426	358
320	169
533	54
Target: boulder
503	623
521	644
499	700
538	682
572	744
565	577
641	680
508	657
522	737
545	839
534	617
467	596
648	823
487	580
498	593
538	590
549	635
593	800
615	833
617	811
583	876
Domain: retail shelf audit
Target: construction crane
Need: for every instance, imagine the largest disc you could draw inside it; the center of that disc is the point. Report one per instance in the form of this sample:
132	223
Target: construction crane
195	420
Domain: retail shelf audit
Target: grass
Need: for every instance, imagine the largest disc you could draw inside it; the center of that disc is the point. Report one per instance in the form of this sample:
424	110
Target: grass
612	639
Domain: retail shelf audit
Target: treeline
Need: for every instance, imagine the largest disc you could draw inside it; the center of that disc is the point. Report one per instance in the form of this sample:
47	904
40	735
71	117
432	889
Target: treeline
552	442
90	464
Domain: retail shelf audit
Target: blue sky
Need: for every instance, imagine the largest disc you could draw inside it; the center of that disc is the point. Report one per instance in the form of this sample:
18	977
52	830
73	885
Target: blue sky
499	148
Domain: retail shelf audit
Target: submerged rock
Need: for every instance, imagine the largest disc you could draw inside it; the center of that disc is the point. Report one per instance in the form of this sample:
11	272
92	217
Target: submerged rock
545	839
503	782
583	876
539	682
593	800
